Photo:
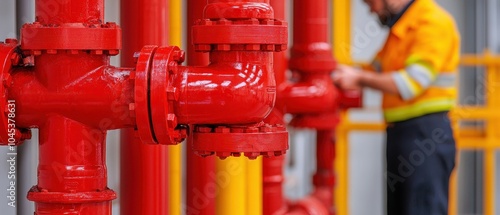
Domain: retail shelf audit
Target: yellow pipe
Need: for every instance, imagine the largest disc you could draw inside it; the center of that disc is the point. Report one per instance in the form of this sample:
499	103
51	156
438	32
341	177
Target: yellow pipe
341	28
174	152
175	22
465	113
349	126
232	196
489	182
254	186
341	166
492	102
341	33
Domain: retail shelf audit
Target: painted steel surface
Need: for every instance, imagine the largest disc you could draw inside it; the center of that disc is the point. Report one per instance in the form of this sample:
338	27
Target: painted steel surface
237	90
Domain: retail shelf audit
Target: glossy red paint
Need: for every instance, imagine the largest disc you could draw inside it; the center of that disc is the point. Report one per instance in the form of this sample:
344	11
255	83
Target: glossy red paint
312	98
198	169
324	178
143	167
273	201
63	11
272	185
73	97
69	91
237	89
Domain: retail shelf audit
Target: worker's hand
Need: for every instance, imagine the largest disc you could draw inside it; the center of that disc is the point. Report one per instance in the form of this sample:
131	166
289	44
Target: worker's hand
347	78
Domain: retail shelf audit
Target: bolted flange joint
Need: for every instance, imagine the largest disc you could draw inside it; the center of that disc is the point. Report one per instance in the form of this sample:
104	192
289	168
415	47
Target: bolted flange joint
95	39
255	140
155	95
9	133
249	34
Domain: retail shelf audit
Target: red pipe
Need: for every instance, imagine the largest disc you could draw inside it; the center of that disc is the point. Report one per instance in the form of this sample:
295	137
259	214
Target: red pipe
143	167
61	12
324	178
272	184
72	176
240	37
226	92
272	168
198	169
66	65
313	100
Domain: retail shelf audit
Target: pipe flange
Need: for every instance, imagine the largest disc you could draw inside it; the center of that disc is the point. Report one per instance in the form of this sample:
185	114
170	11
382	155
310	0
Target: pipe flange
155	95
163	94
71	38
9	134
240	35
140	107
44	196
224	141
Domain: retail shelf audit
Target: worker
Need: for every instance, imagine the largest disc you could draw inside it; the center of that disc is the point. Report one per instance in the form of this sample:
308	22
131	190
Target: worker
415	70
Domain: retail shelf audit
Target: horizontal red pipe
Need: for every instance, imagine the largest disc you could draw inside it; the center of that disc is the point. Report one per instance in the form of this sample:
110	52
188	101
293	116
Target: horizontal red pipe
314	94
105	92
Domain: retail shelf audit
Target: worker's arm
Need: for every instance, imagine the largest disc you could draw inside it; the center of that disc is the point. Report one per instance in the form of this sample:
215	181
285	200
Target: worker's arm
350	78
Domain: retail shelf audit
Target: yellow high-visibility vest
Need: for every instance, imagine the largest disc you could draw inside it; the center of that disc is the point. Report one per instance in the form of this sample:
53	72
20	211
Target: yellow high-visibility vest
422	53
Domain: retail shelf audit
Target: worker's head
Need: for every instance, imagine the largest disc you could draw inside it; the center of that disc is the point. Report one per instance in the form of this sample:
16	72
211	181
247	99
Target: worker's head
386	8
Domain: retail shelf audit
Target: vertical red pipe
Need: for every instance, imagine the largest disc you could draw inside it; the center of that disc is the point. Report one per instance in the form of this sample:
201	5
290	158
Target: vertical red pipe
72	175
310	38
64	11
310	22
200	199
72	159
280	61
272	184
324	178
272	168
144	168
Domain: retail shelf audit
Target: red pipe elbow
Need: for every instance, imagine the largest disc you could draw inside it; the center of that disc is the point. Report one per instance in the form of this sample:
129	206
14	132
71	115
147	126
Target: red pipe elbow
228	91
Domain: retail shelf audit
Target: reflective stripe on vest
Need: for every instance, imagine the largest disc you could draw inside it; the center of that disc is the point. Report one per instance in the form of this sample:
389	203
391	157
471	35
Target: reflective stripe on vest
418	109
445	80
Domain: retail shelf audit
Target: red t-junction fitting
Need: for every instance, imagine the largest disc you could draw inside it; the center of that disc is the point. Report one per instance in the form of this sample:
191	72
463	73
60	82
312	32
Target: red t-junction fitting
312	98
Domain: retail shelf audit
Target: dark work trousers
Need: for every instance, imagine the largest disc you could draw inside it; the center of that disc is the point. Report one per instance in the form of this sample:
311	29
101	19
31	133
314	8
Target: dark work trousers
420	158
